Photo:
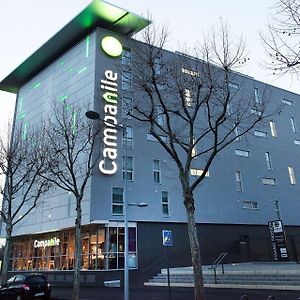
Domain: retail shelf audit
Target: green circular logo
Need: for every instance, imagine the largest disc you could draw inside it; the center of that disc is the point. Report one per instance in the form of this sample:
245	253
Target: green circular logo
111	46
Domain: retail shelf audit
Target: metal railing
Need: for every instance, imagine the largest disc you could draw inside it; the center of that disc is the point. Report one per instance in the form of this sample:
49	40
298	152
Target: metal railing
216	263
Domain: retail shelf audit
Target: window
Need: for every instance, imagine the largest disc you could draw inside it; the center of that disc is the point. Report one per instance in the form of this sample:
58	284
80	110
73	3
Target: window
190	72
198	172
194	149
297	142
165	203
150	137
157	66
292	175
277	209
238	180
256	111
268	161
127	105
117	201
129	168
237	133
273	129
260	133
287	102
268	181
233	85
156	171
229	109
250	205
243	153
128	137
126	80
293	123
160	117
257	96
126	57
187	97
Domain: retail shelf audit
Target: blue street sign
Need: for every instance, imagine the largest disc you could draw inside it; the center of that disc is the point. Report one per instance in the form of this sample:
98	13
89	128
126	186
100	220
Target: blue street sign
167	238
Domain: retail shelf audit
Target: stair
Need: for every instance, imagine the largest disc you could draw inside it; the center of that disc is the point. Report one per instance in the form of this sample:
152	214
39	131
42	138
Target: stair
283	279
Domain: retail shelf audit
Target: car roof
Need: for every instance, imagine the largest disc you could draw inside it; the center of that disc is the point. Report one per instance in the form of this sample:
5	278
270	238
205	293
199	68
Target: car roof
28	274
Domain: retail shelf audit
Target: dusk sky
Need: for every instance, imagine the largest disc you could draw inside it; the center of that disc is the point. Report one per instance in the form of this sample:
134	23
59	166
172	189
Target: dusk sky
26	25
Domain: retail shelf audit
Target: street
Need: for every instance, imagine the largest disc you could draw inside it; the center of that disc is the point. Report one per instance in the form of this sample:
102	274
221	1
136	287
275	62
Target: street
159	293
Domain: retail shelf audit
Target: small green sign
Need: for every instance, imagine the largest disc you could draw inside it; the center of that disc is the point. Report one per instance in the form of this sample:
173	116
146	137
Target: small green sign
111	46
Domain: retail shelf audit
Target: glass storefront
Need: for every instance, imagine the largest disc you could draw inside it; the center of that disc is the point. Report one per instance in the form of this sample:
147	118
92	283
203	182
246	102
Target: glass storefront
102	249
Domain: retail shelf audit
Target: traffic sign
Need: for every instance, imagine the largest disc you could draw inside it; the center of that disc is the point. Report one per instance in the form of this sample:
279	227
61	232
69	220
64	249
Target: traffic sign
167	238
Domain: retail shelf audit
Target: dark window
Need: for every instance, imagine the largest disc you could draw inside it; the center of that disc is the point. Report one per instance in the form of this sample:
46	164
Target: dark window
36	279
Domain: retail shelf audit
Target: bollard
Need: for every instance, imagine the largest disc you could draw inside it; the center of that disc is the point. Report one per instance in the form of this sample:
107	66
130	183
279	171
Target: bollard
271	297
244	297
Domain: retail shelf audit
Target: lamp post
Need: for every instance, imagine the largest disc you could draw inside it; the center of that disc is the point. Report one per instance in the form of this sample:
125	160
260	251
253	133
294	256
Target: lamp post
95	116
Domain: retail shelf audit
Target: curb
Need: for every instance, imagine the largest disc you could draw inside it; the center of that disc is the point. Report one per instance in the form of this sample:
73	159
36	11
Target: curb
229	286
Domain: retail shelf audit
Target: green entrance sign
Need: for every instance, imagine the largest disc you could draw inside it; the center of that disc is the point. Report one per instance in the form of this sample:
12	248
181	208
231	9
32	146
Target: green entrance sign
111	46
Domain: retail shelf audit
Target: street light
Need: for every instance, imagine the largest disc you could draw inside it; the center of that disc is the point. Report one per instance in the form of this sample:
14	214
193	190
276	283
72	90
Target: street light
93	115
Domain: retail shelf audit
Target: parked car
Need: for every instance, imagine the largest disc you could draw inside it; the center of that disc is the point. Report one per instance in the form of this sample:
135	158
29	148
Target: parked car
25	287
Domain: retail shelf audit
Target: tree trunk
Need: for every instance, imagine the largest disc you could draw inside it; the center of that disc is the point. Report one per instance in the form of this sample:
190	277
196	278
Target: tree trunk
7	253
195	251
78	252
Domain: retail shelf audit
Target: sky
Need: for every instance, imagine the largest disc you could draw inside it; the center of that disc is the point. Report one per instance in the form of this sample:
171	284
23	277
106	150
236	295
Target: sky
26	25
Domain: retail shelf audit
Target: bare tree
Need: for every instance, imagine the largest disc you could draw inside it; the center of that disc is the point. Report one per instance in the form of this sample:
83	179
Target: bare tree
282	41
193	110
71	146
23	164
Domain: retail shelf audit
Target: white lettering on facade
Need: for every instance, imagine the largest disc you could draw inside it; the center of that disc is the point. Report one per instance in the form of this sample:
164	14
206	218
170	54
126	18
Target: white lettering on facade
46	243
108	165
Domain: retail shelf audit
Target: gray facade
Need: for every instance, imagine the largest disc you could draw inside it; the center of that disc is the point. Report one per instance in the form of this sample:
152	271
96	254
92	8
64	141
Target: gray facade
253	181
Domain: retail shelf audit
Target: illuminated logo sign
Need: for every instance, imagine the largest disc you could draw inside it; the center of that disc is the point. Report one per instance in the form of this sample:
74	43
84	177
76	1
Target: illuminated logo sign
107	165
46	243
111	46
109	85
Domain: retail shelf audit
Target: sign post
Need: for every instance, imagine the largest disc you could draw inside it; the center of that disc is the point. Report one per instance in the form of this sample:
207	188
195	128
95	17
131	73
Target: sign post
278	240
168	242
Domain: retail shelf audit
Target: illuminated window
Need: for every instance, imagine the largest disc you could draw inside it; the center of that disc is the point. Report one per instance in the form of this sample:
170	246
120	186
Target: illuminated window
250	204
268	161
190	72
237	133
198	172
156	171
238	180
87	46
273	129
129	168
126	57
293	123
194	149
257	96
260	133
187	97
297	142
256	112
243	153
165	203
287	102
269	181
292	175
128	137
117	201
